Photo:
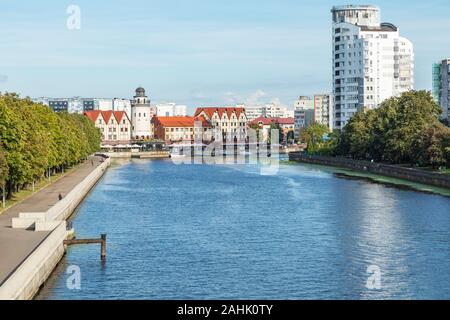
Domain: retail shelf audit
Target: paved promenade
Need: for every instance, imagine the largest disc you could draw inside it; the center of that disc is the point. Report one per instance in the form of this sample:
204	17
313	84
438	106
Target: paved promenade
17	244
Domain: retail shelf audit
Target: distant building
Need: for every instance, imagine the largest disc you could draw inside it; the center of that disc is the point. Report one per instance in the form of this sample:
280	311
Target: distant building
303	113
441	86
122	105
70	105
270	110
177	129
141	115
303	119
371	61
115	126
59	105
170	110
304	102
265	124
228	122
88	105
254	112
323	112
103	104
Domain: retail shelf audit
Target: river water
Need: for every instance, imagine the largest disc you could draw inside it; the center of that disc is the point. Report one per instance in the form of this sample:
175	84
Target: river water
228	232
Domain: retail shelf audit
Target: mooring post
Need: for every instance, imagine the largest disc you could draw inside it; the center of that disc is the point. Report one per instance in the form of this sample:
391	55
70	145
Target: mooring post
103	249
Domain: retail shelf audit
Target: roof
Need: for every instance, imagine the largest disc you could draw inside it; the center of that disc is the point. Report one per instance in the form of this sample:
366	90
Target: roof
209	111
269	121
179	121
355	7
93	115
384	27
106	115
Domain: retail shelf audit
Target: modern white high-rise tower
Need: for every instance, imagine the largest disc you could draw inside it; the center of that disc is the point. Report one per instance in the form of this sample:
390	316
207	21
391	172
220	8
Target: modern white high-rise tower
371	61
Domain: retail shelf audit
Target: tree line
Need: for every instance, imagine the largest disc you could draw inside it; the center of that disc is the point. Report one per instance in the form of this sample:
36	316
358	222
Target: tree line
403	130
36	142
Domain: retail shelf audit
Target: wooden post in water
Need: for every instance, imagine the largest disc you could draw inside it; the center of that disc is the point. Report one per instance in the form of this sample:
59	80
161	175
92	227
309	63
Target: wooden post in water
103	249
102	242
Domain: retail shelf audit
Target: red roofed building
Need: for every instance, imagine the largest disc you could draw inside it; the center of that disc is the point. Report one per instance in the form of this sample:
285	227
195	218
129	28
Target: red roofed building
265	124
115	126
174	129
226	122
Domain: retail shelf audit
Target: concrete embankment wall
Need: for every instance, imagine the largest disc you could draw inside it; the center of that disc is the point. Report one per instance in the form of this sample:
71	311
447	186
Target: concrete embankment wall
410	174
26	280
64	208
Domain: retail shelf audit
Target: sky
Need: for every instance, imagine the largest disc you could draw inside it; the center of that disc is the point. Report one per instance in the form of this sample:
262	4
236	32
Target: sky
193	52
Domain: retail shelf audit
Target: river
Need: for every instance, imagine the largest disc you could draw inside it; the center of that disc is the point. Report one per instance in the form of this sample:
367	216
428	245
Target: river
228	232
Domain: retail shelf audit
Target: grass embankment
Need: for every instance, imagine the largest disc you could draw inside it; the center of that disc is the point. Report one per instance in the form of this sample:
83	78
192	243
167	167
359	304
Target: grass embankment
28	192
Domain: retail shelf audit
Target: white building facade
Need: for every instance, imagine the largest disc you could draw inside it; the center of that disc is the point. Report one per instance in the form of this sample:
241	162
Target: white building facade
170	110
323	112
303	114
371	61
228	122
122	105
141	115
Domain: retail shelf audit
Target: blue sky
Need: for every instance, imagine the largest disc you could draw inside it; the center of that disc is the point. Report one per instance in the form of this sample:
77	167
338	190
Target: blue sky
197	52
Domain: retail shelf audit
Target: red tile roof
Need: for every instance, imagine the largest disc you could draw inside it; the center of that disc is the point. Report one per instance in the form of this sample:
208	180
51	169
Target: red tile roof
179	121
209	111
119	115
106	115
269	121
93	115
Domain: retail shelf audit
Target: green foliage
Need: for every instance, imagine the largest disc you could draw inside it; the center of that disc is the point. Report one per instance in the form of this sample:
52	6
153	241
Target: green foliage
3	167
403	129
35	140
432	146
313	137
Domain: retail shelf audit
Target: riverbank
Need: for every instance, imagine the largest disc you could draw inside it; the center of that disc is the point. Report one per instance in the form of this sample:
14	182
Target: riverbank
408	174
139	155
32	232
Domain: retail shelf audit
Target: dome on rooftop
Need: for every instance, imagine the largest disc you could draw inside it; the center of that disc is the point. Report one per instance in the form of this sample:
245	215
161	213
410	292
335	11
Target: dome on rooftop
140	92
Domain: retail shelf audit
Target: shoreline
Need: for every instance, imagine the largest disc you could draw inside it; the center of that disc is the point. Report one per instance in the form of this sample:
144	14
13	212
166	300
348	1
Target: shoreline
38	227
380	173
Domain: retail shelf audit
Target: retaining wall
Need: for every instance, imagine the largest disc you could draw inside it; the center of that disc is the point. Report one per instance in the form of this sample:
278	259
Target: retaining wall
26	280
410	174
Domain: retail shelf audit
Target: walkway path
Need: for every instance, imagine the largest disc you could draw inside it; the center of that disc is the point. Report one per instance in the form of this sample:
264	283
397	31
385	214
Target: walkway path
17	244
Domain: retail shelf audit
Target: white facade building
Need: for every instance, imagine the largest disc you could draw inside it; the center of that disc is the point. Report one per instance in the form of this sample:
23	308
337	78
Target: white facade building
254	112
141	115
122	105
270	110
303	114
170	110
103	104
371	61
323	111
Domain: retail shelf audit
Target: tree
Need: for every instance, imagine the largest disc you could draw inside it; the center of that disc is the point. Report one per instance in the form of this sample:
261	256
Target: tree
35	140
313	136
432	146
393	132
3	168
